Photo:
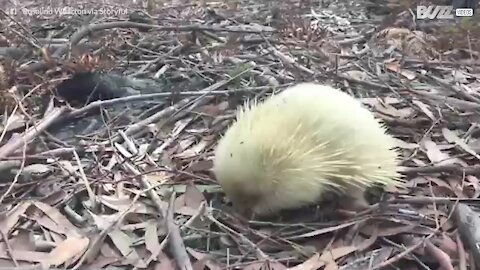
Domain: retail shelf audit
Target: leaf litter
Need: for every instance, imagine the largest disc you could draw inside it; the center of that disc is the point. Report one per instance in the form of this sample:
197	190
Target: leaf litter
139	192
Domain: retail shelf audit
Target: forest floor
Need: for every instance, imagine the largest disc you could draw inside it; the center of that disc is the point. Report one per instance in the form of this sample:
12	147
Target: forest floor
138	192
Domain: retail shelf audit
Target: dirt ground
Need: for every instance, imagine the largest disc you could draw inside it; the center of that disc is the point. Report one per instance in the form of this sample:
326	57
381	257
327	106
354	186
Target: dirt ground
122	179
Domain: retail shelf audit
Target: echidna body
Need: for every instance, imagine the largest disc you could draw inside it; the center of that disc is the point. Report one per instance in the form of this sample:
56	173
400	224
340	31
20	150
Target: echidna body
310	139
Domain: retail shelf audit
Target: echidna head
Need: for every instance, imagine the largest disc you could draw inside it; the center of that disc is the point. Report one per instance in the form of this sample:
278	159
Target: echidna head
242	184
239	169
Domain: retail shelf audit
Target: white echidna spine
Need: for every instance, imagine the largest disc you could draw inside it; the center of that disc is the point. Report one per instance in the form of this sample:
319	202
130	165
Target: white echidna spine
288	150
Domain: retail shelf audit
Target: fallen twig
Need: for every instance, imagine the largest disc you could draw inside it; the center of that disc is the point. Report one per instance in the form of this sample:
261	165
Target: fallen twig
30	134
468	224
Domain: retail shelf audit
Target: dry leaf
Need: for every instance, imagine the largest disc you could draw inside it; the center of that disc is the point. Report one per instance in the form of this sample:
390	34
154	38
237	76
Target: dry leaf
49	224
122	204
13	216
157	177
58	218
357	75
267	265
412	43
151	237
336	253
37	169
104	221
451	137
188	203
317	261
424	108
194	151
14	121
200	166
66	250
214	110
312	263
472	184
124	244
401	228
447	244
165	263
276	266
200	264
193	196
254	266
395	67
389	110
27	256
331	266
204	257
22	241
438	182
434	154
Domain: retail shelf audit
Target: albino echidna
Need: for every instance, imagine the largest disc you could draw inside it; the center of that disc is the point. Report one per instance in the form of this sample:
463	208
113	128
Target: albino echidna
287	151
